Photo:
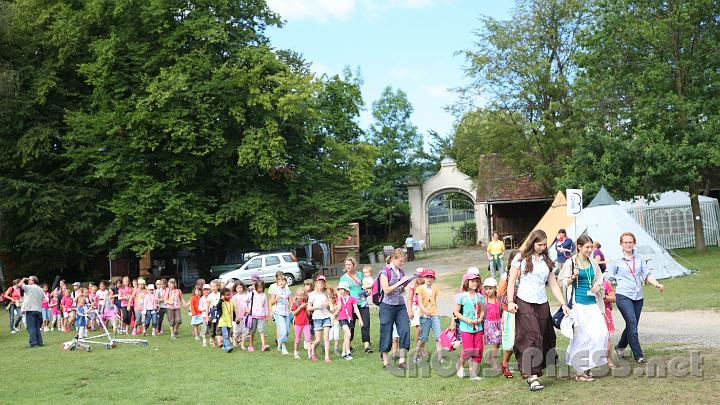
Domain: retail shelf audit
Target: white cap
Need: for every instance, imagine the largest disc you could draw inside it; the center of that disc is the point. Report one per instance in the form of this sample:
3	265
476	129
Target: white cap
474	270
230	285
490	282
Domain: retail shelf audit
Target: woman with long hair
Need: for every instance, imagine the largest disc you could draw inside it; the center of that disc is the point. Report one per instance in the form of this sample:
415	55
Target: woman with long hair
393	310
534	333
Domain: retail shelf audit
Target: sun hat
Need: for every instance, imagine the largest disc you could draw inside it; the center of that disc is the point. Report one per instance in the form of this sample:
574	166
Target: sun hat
474	270
206	287
490	282
230	285
428	273
419	271
151	286
141	281
77	284
321	277
470	276
343	285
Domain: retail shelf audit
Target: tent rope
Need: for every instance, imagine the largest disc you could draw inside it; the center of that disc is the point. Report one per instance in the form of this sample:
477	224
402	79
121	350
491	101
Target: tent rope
696	268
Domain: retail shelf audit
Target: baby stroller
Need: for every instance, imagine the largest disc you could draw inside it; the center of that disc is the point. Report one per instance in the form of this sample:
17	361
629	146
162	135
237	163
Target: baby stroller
104	339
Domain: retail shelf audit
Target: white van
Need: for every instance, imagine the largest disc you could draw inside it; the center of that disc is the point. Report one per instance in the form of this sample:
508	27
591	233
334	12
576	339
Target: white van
265	266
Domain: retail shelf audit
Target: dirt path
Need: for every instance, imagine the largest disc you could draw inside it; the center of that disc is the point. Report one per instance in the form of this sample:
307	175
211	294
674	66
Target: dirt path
691	328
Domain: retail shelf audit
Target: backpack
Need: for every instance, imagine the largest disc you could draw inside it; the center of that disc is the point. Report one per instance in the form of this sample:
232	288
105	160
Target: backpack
377	291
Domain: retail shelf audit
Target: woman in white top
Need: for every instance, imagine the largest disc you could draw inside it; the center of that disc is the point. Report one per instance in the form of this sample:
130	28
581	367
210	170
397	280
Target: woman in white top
534	333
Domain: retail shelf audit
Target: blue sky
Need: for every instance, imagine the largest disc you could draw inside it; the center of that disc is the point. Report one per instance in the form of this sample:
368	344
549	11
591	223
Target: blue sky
407	44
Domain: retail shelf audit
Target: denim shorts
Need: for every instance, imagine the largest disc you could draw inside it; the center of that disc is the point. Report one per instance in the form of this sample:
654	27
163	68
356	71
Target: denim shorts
344	322
46	314
319	324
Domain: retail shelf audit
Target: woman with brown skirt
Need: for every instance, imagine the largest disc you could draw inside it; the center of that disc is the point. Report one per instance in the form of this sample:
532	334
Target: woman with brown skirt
534	333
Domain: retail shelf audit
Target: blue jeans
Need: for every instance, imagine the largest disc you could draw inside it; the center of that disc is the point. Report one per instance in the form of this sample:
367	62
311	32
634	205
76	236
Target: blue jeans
425	325
630	311
282	322
151	317
397	315
227	343
496	267
34	322
15	316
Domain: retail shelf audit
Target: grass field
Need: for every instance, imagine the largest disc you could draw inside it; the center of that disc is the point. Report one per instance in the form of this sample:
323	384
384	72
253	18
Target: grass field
183	372
696	291
441	235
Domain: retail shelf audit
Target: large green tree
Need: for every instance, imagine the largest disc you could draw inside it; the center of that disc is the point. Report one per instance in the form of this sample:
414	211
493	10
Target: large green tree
169	125
650	89
522	70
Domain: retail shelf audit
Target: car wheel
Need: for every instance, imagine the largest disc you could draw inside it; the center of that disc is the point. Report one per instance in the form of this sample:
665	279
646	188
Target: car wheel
290	279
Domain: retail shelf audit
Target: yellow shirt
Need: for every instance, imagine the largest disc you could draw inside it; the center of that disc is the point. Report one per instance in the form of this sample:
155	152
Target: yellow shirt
226	319
428	299
496	247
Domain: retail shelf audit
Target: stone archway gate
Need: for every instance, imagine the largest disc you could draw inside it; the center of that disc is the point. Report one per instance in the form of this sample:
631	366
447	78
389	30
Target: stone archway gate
448	179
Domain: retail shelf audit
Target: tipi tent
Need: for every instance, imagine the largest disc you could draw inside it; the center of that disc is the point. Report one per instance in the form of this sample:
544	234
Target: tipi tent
605	220
555	218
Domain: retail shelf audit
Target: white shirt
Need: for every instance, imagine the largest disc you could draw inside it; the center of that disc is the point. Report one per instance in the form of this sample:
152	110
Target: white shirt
318	300
531	288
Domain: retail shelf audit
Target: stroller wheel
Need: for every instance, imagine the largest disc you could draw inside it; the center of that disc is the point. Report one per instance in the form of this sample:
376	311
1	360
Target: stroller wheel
88	348
66	346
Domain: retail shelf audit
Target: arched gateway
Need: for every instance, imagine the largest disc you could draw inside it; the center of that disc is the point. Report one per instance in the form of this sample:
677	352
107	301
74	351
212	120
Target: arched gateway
443	209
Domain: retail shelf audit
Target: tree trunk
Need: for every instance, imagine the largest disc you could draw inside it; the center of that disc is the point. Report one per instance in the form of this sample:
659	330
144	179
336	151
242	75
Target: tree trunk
697	220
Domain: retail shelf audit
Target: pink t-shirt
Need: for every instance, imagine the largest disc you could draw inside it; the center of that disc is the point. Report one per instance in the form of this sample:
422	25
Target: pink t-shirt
54	306
347	307
149	302
67	304
125	293
242	305
139	300
259	305
46	300
172	298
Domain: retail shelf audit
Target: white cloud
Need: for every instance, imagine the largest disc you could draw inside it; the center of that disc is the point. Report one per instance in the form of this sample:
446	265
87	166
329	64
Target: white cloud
439	91
326	10
406	73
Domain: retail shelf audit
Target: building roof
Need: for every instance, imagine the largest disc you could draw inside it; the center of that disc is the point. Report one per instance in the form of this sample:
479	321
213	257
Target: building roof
497	182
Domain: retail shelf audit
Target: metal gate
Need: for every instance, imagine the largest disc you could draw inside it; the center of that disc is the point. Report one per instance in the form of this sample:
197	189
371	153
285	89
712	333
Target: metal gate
451	221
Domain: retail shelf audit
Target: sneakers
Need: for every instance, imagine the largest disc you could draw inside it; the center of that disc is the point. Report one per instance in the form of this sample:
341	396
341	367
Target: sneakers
296	356
642	360
347	357
196	337
475	378
13	331
204	343
461	373
284	351
368	350
620	353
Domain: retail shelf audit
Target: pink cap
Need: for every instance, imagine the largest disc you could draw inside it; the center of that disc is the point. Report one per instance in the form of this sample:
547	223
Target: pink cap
428	273
321	277
470	276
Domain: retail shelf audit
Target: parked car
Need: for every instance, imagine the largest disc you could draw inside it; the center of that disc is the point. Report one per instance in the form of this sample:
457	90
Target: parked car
218	269
265	266
308	266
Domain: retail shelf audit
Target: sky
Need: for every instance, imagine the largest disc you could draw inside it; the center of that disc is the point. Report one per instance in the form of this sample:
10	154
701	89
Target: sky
406	44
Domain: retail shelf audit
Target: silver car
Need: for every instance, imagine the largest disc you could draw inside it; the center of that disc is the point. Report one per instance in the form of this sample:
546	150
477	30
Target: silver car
265	266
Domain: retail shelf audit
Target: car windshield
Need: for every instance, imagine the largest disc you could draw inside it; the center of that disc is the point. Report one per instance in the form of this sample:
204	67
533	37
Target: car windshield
288	258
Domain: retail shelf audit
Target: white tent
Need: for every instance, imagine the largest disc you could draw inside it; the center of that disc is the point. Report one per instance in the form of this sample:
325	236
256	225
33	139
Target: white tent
605	220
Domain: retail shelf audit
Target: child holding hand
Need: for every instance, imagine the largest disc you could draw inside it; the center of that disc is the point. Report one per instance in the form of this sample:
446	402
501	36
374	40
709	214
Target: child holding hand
344	309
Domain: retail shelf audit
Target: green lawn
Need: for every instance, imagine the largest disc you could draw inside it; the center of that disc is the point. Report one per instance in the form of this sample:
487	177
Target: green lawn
183	372
441	235
698	291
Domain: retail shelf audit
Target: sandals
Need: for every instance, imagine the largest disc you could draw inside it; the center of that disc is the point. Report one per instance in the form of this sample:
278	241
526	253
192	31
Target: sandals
506	371
535	385
584	378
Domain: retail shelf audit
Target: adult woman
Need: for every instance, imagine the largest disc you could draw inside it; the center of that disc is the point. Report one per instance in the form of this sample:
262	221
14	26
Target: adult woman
354	280
392	308
589	342
629	272
14	296
534	333
495	249
599	256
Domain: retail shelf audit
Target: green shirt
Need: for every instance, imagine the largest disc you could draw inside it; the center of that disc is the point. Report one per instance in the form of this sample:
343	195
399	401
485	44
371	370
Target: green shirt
356	289
469	309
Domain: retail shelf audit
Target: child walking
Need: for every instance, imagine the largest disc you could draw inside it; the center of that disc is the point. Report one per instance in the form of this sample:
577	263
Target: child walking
213	315
174	302
334	334
242	307
427	306
226	308
469	310
302	322
203	306
81	320
259	310
508	320
412	302
150	309
609	299
55	306
67	306
319	304
345	309
280	300
492	328
46	311
196	318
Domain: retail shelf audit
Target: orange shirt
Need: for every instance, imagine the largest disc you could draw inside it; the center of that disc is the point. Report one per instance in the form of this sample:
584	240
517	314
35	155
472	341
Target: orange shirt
195	305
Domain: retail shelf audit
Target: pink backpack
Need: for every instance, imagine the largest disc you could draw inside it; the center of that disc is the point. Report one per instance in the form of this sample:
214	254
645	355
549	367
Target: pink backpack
448	339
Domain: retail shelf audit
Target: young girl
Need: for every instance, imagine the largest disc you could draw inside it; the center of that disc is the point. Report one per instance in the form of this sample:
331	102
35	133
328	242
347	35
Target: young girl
427	306
138	301
203	305
173	301
609	299
150	310
319	304
241	299
469	310
162	307
280	301
335	325
81	321
92	302
345	307
259	310
492	327
412	302
124	294
213	315
67	306
302	322
227	319
508	319
196	318
55	306
46	312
